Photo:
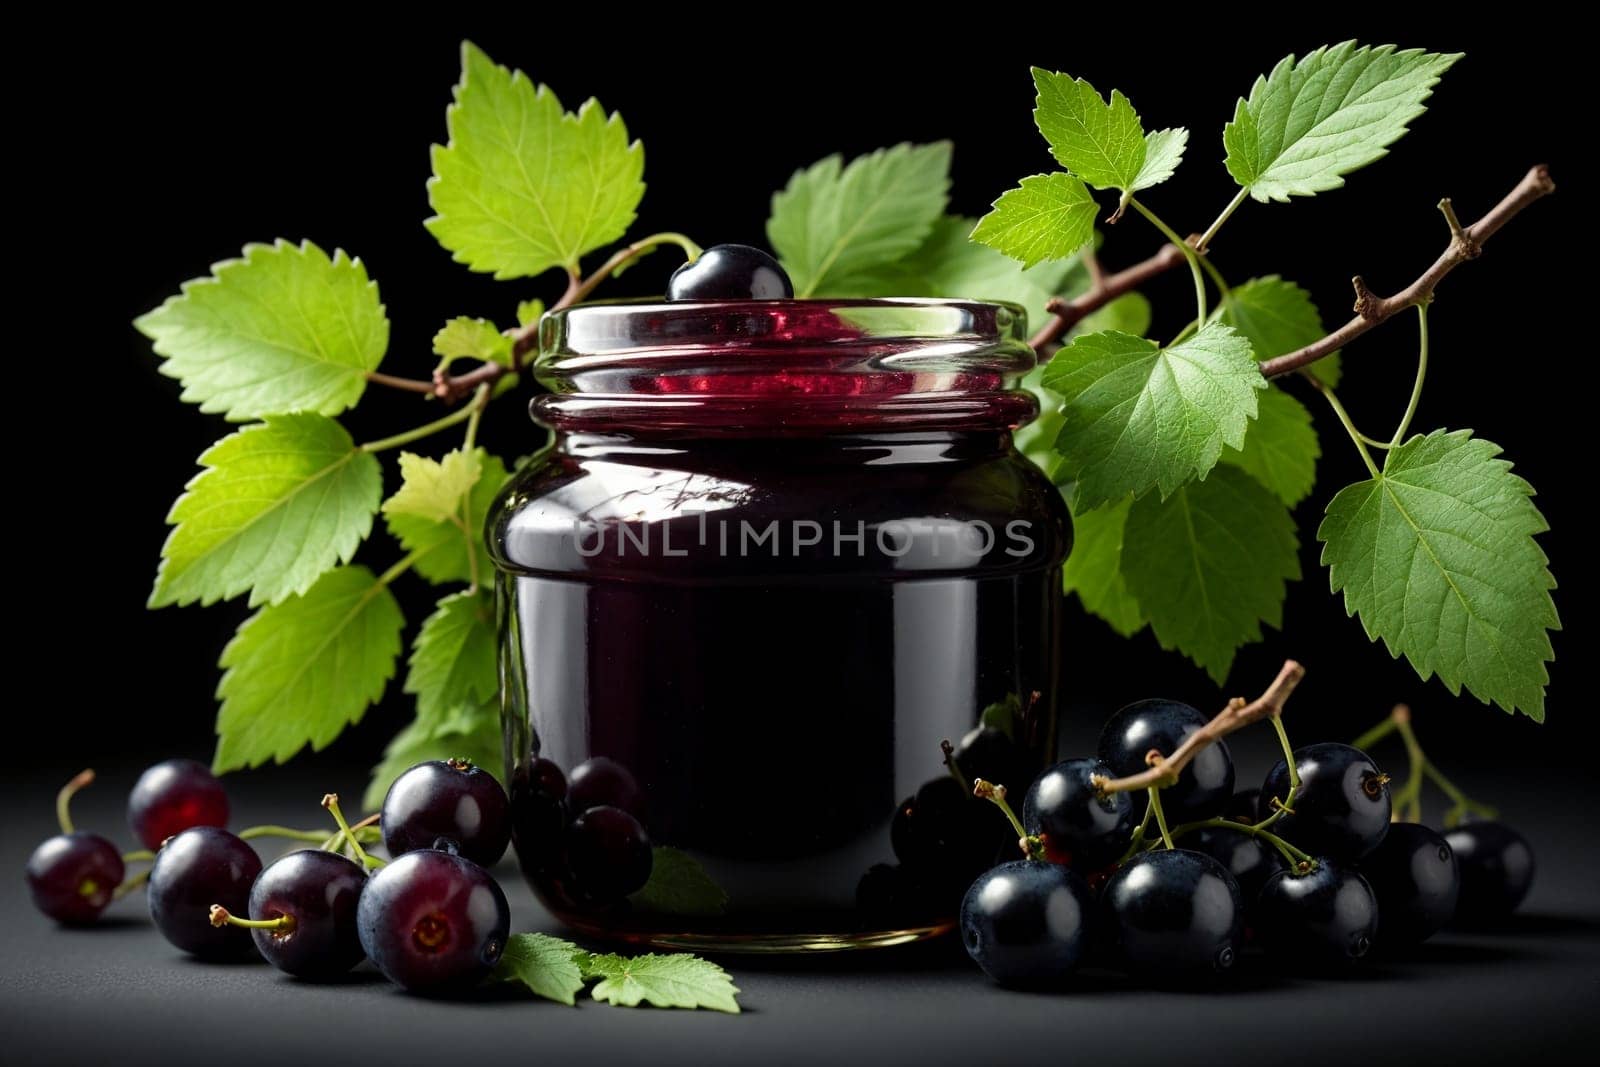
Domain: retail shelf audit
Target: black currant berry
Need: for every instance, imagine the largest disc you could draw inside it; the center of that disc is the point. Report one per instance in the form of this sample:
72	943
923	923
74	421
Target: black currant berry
1342	808
730	272
1415	876
539	814
173	796
433	921
1244	807
447	800
1026	923
1326	917
990	754
1250	860
317	893
197	868
601	782
1496	870
1173	915
1077	825
73	876
608	855
1203	788
942	830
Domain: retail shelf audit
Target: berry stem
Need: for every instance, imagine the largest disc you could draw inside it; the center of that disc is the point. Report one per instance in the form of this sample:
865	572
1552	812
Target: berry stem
1164	770
139	855
1031	846
1286	803
1136	842
955	770
1376	734
64	798
221	916
331	802
1463	804
131	883
1161	816
1408	798
285	832
1301	861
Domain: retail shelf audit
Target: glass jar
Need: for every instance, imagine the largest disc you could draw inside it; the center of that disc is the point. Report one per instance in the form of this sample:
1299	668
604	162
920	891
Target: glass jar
775	555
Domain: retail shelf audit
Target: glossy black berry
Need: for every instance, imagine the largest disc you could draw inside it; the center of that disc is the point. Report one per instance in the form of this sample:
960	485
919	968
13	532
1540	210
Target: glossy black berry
1342	808
72	876
195	869
433	921
1250	860
1326	917
173	796
447	800
1173	915
1027	922
539	814
1078	826
1205	785
1496	870
318	892
608	855
1415	876
942	830
730	272
602	782
990	754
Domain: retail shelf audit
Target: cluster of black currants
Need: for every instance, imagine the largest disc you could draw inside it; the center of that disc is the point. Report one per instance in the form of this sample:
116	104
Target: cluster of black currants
582	836
431	918
1172	885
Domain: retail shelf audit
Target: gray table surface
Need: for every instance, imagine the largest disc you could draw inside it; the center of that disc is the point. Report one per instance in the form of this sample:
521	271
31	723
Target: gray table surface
119	994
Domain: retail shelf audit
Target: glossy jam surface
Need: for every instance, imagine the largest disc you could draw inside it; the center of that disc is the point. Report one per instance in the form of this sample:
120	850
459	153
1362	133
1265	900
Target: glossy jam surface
747	643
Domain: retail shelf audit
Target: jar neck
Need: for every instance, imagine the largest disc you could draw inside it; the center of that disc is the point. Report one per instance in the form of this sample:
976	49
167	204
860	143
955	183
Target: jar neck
884	447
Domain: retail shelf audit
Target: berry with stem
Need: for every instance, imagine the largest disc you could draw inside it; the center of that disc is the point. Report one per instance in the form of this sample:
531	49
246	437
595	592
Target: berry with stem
1136	731
730	272
1341	808
74	875
303	914
1324	916
447	800
196	869
174	795
1076	823
432	921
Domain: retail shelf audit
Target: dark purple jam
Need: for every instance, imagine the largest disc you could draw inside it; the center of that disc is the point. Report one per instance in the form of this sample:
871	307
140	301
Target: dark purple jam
778	553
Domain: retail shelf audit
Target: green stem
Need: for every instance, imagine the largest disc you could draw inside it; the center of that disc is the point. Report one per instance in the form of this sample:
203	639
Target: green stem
65	795
285	832
130	884
331	802
1188	253
1216	276
1161	818
221	916
1376	734
1461	803
1422	376
1031	846
139	855
1227	213
1408	798
950	765
1136	842
480	401
1350	427
622	256
1294	855
1287	801
461	414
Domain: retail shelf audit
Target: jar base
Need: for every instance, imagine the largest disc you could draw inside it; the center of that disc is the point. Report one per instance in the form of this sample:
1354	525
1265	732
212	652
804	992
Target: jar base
775	944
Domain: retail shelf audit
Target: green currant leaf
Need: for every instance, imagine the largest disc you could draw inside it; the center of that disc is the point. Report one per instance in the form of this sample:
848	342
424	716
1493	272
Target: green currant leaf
1280	448
468	338
678	885
952	266
1278	317
1048	216
1102	143
524	186
452	545
286	328
453	658
433	489
529	312
1309	123
676	981
833	222
1437	555
547	966
278	504
1163	152
469	732
1209	564
1140	417
1094	569
300	671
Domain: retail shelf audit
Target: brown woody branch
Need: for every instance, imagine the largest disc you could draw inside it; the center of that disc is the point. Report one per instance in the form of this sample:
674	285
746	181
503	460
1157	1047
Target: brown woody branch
1163	771
1466	242
1103	288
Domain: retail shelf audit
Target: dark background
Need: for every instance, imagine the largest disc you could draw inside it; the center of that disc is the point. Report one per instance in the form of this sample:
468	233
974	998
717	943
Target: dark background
151	152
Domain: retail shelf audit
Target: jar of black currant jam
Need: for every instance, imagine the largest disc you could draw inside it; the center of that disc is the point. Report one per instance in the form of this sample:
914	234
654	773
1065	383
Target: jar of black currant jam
778	552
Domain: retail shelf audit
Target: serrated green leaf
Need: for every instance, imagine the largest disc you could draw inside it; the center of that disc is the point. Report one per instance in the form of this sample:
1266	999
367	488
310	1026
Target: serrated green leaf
547	966
468	338
529	311
453	658
278	504
833	222
678	885
1163	151
1309	123
1278	316
1048	216
676	981
444	543
524	186
1102	143
1437	554
469	732
286	328
1280	448
1209	564
1141	417
300	671
433	489
1094	569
